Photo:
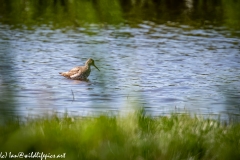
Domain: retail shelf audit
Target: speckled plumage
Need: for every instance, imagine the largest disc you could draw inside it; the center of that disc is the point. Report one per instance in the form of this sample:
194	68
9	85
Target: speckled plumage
80	72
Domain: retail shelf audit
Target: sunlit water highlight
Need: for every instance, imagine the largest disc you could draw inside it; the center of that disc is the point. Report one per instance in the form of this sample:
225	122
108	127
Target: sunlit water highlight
163	68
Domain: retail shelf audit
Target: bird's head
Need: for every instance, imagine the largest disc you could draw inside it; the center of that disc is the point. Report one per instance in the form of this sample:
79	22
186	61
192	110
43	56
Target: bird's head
91	62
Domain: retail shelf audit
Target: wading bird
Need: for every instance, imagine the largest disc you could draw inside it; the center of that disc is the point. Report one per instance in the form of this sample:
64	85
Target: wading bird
80	72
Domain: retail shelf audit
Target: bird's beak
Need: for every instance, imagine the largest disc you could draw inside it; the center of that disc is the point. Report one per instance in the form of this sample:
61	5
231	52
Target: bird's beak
96	67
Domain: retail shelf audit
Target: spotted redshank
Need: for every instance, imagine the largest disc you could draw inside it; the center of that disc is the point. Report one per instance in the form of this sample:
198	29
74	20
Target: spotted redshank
80	72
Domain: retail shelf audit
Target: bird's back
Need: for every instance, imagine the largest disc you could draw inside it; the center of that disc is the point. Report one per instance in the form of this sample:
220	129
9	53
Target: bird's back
77	73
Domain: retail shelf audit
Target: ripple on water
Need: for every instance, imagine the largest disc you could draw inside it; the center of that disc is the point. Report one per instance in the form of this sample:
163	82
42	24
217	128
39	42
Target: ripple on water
160	67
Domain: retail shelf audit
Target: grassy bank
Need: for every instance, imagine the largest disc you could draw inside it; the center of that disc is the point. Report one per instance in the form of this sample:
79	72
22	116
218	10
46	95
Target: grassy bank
77	13
134	136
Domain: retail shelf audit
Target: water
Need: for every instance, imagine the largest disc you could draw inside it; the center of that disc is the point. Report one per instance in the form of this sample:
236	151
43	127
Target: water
164	68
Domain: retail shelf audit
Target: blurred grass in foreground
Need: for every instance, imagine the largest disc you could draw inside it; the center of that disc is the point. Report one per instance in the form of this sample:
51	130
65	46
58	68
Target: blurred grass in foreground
134	136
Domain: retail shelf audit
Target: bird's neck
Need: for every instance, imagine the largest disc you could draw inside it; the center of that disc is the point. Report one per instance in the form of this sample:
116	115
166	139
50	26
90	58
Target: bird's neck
88	66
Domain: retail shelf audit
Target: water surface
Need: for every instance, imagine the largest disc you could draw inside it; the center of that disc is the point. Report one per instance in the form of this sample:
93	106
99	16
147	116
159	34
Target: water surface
161	67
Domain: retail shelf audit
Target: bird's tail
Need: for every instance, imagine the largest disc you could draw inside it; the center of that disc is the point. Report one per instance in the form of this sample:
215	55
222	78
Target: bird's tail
65	74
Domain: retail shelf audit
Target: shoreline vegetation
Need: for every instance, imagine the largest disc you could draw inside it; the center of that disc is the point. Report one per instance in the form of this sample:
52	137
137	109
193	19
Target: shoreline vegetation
77	13
132	136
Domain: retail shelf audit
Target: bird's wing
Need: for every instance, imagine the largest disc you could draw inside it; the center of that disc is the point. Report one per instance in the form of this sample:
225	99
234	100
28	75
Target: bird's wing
76	74
76	69
71	72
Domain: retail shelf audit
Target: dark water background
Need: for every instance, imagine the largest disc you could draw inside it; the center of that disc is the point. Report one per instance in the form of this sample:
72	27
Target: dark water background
165	57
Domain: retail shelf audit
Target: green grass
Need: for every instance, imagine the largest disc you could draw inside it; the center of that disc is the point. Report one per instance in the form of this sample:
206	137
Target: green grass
81	13
133	136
